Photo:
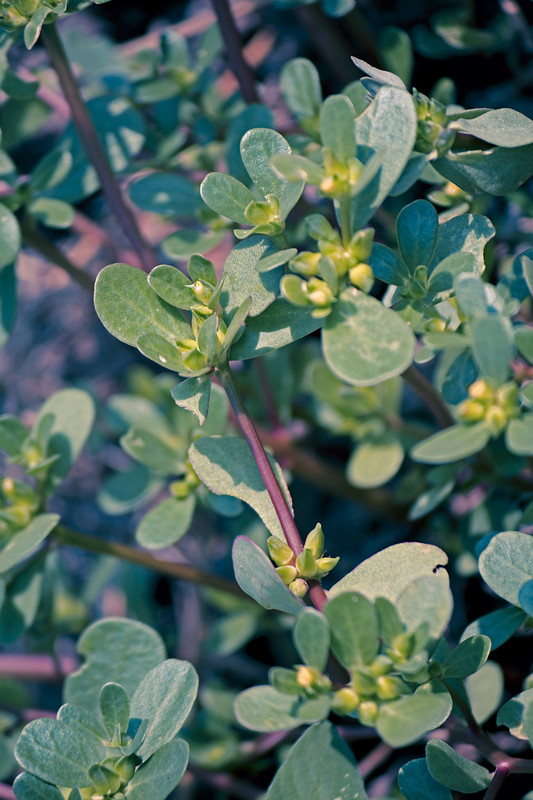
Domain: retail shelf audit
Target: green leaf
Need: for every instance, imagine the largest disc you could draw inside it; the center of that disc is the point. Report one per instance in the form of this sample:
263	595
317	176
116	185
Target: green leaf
128	306
127	490
256	576
115	707
20	605
116	650
452	444
160	350
68	416
160	775
354	629
416	782
279	325
468	657
468	233
263	708
365	343
12	434
337	126
226	466
506	563
152	451
300	84
8	301
375	461
498	170
319	766
499	625
485	690
193	395
226	195
442	278
258	146
404	721
51	169
527	721
166	523
242	280
51	212
523	337
388	573
81	720
47	749
525	596
519	435
9	236
417	230
311	638
164	697
492	346
504	127
427	600
255	115
28	787
512	712
380	76
185	243
471	295
165	193
238	320
388	126
32	30
275	259
25	542
172	286
453	770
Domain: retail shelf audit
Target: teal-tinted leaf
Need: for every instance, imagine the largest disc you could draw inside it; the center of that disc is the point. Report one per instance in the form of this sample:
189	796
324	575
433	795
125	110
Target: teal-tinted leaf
404	721
504	127
185	243
497	171
365	343
82	720
8	301
506	563
263	708
32	30
172	286
28	787
275	259
452	444
165	193
68	416
519	435
388	573
51	169
468	233
388	126
499	625
160	775
128	410
51	212
226	195
193	394
115	707
523	337
354	629
337	126
417	230
242	280
485	690
161	351
233	632
166	523
47	749
226	466
380	76
375	461
430	499
12	434
128	306
319	766
164	697
257	577
416	782
525	597
453	770
493	348
468	657
386	265
116	650
20	605
25	542
471	295
427	600
152	451
255	115
9	236
512	712
458	377
127	490
258	146
444	274
279	325
311	638
300	84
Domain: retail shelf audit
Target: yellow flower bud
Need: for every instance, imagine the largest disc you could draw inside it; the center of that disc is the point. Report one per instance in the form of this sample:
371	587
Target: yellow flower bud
279	551
480	390
381	665
299	587
305	564
345	701
307	676
496	420
326	564
368	712
362	277
389	688
471	410
287	574
315	541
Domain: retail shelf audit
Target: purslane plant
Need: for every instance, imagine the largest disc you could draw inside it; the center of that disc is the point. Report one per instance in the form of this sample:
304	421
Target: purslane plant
372	650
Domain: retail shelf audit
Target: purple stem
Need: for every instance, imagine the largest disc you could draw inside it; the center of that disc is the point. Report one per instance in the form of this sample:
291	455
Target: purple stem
502	771
6	792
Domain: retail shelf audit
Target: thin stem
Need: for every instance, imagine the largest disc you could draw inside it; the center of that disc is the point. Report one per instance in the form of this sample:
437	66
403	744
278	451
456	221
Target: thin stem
232	40
374	759
92	144
279	501
501	773
184	572
464	708
39	242
427	392
6	792
345	218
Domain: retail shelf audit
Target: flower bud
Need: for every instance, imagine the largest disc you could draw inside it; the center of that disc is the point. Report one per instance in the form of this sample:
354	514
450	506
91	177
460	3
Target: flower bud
389	687
471	410
507	396
287	574
305	564
125	767
362	277
368	712
201	291
345	701
315	541
360	246
381	665
279	551
258	212
305	263
307	676
326	564
363	682
299	587
495	419
480	390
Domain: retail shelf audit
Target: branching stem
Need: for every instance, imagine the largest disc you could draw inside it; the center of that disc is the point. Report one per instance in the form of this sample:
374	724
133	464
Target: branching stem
43	245
427	392
238	64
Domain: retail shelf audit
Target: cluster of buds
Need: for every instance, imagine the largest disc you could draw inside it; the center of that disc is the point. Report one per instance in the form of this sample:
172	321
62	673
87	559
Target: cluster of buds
304	681
432	134
310	564
264	216
21	503
17	13
182	488
197	353
495	407
341	176
369	687
111	776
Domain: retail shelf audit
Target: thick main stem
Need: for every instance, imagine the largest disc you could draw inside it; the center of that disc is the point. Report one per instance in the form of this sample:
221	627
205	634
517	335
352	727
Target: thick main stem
184	572
501	773
92	144
279	501
238	64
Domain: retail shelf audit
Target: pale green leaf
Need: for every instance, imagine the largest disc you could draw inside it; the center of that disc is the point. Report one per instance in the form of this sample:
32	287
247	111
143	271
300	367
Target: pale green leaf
453	770
258	146
166	523
242	280
193	394
28	787
311	638
354	629
279	325
427	600
504	127
263	708
226	195
452	444
404	721
160	775
255	574
337	126
25	542
485	690
506	563
468	657
114	707
519	435
375	461
416	782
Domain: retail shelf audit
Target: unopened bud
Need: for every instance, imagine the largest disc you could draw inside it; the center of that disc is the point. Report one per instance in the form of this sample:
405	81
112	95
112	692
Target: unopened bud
279	551
495	419
326	564
305	564
307	676
305	263
125	767
287	574
471	410
388	688
381	665
315	541
368	713
362	277
507	396
201	291
480	390
299	587
344	701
